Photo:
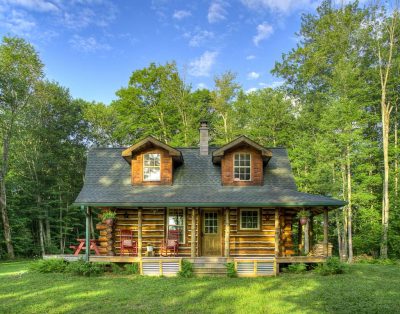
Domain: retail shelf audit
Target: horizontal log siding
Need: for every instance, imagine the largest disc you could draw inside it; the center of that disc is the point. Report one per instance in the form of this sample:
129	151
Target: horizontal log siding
242	242
260	242
153	230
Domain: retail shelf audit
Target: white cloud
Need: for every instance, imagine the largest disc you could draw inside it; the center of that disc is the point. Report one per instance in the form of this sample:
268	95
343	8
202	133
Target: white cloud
280	6
181	14
251	90
250	57
202	65
198	37
201	86
253	75
17	22
264	30
217	11
35	5
89	44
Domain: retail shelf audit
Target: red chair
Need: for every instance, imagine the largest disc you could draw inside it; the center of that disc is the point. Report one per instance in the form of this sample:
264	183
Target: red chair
128	245
171	245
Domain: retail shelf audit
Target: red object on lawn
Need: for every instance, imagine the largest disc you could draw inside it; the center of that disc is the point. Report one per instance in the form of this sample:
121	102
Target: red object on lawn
171	245
81	245
128	245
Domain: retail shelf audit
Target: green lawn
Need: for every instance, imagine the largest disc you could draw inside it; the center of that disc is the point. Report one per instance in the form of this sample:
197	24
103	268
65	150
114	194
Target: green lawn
365	289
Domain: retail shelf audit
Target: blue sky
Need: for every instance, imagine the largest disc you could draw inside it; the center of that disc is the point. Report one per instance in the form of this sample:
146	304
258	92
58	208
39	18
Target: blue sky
92	46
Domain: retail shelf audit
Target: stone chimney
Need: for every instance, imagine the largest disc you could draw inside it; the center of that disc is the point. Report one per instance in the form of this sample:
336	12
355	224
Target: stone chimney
203	138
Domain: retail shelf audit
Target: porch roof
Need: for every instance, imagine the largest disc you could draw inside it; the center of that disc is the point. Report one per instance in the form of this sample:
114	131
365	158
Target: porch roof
196	183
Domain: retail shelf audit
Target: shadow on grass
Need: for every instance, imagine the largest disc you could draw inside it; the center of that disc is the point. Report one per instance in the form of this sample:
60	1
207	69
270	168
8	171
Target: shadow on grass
366	289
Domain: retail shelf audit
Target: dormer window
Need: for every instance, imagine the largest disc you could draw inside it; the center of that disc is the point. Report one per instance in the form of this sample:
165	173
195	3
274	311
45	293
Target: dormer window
152	167
242	167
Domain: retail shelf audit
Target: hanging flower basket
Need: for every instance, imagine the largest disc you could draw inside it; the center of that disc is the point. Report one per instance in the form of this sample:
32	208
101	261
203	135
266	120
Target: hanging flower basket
108	217
303	216
303	220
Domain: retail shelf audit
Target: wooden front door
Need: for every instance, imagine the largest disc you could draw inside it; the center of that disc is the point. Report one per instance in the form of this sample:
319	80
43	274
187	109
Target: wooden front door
211	231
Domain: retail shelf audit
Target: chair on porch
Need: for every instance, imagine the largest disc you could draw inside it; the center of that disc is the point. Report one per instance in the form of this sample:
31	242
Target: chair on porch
170	246
128	245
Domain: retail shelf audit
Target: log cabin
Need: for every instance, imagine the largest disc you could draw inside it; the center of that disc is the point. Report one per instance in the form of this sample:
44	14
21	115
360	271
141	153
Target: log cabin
235	203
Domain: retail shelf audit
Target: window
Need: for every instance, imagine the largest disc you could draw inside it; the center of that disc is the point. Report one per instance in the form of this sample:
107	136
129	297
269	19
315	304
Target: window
152	167
210	222
242	167
176	221
249	219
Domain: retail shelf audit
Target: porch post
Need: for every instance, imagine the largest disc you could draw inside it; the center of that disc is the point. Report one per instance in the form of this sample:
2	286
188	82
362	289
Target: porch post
311	231
300	235
307	237
140	232
227	232
88	214
326	231
193	234
277	233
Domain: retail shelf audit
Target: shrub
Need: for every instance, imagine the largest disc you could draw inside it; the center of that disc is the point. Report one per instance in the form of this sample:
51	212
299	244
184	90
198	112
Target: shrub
132	268
366	259
82	268
297	268
53	265
186	269
109	214
332	266
230	270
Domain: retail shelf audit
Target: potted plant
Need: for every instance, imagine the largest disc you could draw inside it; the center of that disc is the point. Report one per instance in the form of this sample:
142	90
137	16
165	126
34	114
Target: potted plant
303	216
108	217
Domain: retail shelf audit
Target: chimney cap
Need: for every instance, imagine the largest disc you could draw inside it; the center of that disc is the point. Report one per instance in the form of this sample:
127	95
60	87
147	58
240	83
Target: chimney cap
203	124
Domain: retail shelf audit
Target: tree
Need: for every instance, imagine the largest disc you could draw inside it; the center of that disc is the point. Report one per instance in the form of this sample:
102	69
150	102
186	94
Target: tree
223	97
20	70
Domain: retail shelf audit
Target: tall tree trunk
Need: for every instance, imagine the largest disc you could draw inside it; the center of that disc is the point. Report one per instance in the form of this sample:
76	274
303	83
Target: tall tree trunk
41	236
349	208
48	228
385	67
344	213
3	195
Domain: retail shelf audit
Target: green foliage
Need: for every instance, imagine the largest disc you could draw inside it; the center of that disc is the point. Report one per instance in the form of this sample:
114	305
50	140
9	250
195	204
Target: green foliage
230	270
186	269
125	269
365	259
332	266
296	268
87	269
53	265
132	269
109	214
303	213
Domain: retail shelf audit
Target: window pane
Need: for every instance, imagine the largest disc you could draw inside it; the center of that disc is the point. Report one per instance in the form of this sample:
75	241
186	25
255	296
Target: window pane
210	222
176	222
249	219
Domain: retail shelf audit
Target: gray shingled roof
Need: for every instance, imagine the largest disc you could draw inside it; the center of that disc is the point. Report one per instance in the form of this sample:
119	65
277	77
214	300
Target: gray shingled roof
196	183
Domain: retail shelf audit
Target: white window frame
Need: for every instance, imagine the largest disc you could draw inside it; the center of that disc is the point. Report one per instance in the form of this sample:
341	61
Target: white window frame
234	157
144	157
250	210
184	222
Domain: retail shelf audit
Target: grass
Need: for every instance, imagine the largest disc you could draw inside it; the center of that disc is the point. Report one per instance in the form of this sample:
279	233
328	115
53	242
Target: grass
364	289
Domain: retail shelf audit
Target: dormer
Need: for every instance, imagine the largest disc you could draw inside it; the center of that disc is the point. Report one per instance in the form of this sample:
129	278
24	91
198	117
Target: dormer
152	162
242	162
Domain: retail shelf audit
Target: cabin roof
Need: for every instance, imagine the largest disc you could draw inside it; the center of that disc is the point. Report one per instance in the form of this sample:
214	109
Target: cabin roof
241	140
196	183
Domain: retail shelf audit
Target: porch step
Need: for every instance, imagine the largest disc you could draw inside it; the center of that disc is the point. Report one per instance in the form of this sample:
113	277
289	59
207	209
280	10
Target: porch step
209	266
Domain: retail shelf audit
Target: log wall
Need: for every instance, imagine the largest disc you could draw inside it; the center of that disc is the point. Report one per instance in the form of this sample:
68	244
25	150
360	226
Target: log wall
241	242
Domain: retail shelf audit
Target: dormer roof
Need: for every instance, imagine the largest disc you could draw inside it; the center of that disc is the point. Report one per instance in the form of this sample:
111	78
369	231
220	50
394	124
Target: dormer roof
150	142
241	140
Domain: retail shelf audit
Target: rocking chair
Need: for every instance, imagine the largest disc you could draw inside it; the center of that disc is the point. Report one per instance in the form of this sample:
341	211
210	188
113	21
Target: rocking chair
128	245
171	245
